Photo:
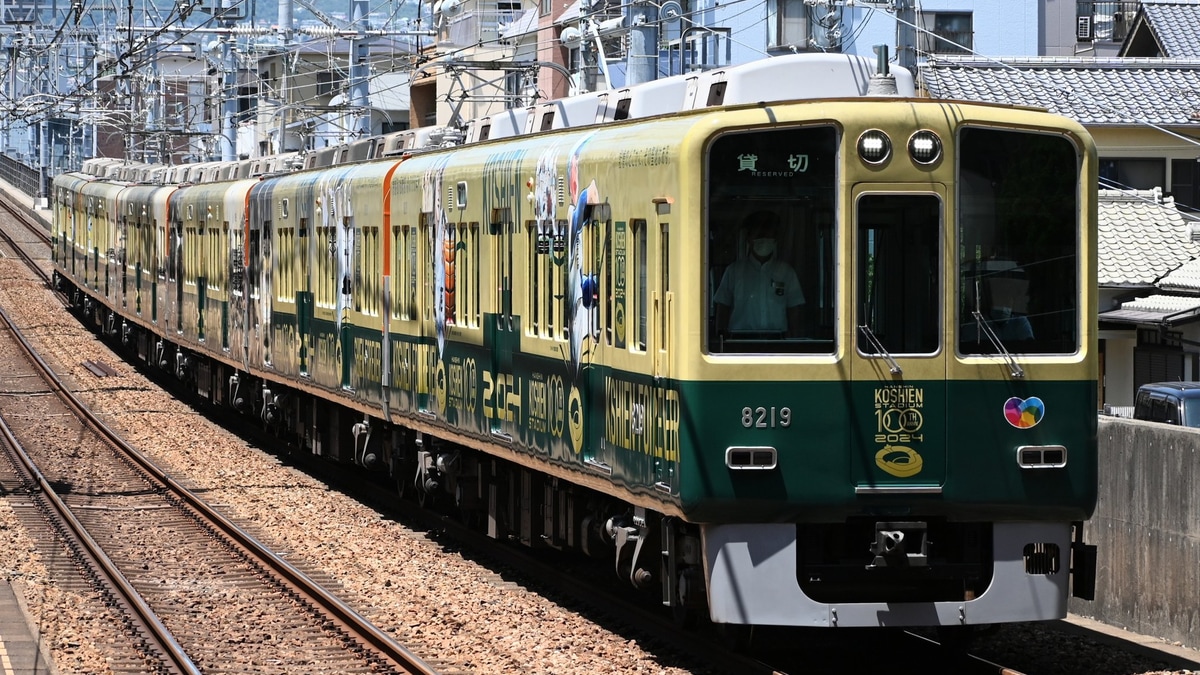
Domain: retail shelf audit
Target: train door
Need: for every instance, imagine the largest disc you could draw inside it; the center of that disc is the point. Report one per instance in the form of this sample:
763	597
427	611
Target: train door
664	391
304	293
266	297
254	326
899	359
145	236
93	217
175	262
347	259
158	282
235	273
118	255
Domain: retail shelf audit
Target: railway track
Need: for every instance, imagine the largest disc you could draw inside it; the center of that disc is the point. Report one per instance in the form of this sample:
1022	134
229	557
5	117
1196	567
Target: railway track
31	244
205	593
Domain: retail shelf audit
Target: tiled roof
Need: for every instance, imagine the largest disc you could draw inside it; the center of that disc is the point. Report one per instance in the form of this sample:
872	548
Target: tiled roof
1162	303
1175	24
1106	91
1154	309
1183	279
1142	237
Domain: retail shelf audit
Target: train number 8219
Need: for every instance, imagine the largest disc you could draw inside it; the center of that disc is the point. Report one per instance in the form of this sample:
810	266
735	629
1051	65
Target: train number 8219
766	418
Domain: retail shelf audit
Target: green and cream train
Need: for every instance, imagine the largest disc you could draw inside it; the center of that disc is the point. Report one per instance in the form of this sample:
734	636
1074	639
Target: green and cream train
530	325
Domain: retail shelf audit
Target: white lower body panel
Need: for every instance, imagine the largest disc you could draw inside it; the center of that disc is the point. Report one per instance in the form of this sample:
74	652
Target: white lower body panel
751	570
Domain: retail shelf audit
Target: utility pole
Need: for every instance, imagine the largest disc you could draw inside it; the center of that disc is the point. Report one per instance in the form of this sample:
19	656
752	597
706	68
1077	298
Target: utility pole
227	14
229	100
285	29
587	52
360	85
906	34
643	43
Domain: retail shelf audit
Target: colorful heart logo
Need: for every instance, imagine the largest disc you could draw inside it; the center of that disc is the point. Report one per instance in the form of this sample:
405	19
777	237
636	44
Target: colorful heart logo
1024	413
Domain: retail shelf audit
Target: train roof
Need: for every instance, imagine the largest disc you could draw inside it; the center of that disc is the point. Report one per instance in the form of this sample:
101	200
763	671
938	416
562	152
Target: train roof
781	78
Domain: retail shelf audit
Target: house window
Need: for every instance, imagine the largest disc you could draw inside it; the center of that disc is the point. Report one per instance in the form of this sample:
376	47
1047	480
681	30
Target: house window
946	33
1185	184
1128	173
516	89
328	83
508	11
787	24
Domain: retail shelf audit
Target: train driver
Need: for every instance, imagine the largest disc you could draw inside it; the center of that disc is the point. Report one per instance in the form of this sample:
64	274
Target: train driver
759	295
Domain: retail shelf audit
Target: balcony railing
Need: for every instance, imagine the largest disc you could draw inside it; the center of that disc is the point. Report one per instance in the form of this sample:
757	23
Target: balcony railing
1104	21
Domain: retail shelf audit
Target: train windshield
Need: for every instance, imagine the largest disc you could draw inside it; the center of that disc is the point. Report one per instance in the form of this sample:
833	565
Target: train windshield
771	212
1018	256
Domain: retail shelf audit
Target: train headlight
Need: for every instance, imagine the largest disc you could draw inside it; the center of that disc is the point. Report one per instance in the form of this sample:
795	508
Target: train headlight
874	147
925	147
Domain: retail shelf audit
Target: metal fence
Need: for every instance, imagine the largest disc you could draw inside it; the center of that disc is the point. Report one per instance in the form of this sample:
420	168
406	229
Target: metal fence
24	178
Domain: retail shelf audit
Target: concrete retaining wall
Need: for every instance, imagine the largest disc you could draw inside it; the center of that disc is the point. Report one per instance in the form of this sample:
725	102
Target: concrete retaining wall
1147	528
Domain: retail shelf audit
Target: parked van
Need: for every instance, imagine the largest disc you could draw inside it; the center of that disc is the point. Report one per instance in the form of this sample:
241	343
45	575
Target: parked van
1169	402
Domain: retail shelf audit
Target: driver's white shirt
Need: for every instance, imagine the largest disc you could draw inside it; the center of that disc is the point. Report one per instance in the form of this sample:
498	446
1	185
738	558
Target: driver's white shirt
759	294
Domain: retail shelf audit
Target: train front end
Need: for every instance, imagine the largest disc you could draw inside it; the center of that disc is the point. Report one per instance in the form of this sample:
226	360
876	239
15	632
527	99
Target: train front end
897	426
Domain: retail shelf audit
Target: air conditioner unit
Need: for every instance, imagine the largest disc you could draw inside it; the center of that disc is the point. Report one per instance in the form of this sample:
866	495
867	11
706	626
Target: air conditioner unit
1083	28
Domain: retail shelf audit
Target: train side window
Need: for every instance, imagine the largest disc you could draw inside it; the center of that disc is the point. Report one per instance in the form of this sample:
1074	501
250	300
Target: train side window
159	266
558	290
212	258
256	247
534	293
664	283
376	273
173	261
412	240
469	273
397	265
288	251
351	265
222	271
501	228
449	253
403	272
323	251
619	264
303	260
608	299
364	269
601	314
236	262
640	290
279	268
425	229
192	261
267	265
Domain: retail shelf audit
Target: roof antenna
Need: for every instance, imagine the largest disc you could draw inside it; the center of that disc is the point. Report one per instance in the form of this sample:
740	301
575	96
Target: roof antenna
882	83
